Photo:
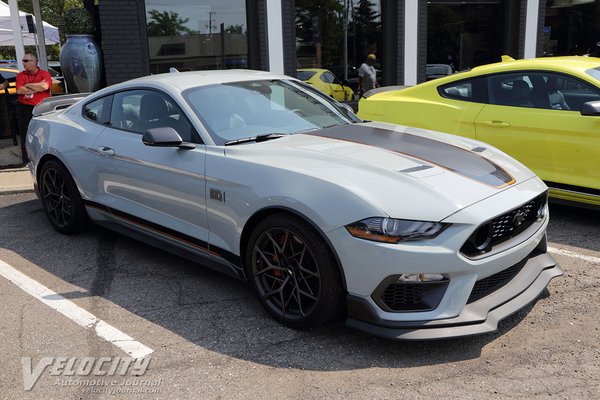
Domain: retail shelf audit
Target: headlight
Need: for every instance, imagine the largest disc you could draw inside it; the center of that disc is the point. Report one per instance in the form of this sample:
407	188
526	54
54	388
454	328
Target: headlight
390	230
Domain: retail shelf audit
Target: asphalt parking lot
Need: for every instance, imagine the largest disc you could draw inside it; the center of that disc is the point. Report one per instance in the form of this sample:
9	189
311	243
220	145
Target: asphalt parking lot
206	337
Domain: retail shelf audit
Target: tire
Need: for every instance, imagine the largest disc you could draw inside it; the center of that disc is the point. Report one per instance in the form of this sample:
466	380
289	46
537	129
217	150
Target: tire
61	200
293	272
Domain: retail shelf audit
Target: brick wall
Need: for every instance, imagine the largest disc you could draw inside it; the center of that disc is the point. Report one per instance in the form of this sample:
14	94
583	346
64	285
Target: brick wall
124	40
288	11
256	11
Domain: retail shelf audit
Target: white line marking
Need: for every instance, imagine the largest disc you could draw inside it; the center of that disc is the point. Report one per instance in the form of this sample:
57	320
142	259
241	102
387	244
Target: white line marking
75	313
591	259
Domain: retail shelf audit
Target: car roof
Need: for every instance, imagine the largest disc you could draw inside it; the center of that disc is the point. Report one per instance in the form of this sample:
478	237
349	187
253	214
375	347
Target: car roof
312	69
186	80
573	63
568	64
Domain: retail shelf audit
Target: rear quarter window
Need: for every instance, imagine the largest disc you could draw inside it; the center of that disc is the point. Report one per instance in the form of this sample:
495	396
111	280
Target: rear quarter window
473	90
98	110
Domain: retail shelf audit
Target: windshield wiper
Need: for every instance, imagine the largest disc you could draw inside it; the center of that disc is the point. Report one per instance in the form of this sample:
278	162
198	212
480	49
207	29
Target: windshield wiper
257	138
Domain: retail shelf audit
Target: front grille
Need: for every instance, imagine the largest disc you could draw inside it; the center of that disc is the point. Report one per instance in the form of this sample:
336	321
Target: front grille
494	282
504	227
393	295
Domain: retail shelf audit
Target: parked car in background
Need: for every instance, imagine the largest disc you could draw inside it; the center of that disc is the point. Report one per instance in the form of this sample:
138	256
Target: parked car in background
410	234
434	71
10	71
326	82
545	112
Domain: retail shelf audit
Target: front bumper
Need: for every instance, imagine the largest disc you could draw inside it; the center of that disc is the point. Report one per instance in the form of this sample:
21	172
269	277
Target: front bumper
481	316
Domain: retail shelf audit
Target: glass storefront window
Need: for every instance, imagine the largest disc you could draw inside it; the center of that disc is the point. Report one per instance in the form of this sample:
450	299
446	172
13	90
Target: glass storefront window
322	28
196	35
465	34
571	28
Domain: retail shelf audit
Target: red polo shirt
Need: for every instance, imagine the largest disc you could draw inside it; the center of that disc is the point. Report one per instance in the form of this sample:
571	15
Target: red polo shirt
25	77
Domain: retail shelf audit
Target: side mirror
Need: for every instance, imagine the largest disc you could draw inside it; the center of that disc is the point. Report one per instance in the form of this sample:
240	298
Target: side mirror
165	137
591	108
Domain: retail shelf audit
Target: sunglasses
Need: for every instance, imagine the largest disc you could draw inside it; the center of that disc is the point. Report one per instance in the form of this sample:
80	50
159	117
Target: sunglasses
26	61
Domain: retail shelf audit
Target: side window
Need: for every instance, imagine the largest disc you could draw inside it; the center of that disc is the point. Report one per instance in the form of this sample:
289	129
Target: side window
568	93
97	110
473	90
545	90
125	113
327	77
140	110
514	89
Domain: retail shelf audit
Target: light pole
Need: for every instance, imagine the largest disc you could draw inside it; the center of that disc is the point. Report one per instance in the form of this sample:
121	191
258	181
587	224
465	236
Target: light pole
345	27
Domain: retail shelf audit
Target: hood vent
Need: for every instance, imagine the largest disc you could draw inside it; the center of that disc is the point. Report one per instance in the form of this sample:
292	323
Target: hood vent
415	169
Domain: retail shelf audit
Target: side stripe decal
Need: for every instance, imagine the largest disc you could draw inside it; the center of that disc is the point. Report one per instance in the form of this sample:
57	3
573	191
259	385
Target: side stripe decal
198	244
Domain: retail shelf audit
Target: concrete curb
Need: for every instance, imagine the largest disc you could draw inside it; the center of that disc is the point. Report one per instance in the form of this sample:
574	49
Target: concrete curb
15	181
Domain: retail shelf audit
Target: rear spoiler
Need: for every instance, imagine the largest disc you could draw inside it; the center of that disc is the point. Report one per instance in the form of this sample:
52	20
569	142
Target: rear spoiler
55	103
382	89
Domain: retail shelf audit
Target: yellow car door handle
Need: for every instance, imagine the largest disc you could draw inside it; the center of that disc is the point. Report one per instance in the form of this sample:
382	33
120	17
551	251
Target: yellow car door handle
497	124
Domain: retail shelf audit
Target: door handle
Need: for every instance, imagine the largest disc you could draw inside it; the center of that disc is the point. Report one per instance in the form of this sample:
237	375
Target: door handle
497	124
106	151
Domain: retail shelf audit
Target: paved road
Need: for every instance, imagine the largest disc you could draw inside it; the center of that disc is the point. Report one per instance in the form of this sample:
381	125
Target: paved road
211	339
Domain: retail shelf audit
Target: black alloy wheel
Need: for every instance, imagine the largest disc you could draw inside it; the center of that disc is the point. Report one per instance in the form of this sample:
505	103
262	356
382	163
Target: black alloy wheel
60	197
293	272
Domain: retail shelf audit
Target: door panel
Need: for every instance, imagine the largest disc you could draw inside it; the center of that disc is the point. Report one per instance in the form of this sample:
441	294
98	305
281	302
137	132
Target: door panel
534	116
520	133
559	145
163	185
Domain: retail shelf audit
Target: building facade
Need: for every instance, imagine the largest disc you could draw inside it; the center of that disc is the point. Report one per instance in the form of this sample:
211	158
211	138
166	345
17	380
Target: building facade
140	37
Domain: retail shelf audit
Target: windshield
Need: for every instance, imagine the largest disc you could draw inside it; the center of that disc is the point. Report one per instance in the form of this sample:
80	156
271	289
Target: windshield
241	110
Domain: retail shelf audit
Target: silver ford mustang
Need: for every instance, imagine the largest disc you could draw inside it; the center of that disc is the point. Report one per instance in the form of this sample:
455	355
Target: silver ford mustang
407	233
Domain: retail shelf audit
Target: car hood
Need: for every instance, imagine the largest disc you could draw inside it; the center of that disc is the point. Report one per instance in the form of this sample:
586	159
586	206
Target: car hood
404	171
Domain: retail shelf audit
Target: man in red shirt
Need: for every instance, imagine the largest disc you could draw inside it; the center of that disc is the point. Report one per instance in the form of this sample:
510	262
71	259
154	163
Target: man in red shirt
33	85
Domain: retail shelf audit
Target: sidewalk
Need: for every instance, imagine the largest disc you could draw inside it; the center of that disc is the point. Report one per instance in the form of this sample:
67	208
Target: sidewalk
15	180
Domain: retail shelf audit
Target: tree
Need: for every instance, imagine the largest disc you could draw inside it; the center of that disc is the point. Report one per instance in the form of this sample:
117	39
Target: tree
52	12
239	29
319	27
366	31
167	23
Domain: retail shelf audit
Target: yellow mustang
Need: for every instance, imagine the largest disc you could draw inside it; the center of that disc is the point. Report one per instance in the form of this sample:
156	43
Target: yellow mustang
545	112
326	82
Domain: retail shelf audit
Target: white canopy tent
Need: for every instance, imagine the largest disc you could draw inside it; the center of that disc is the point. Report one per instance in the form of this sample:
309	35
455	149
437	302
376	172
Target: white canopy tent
6	30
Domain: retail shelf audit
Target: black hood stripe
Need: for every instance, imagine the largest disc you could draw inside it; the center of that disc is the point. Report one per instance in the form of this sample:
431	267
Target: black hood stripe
447	156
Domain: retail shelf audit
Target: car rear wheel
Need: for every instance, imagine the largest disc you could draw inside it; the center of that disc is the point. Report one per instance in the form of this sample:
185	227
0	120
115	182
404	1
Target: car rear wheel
294	272
60	197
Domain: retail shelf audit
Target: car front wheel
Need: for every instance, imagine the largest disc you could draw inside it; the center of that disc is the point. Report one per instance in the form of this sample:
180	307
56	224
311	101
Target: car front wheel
62	203
293	272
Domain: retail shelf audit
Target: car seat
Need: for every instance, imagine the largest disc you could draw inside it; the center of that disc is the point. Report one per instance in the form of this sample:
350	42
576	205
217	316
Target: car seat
154	113
520	94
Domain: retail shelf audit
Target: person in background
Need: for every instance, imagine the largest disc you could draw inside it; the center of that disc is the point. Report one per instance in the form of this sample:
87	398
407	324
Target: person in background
367	76
33	85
